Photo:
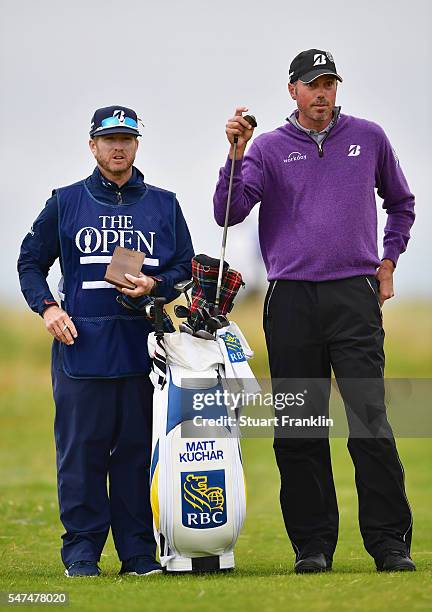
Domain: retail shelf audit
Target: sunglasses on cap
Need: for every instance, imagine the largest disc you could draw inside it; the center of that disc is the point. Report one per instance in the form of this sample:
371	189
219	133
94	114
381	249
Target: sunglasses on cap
115	121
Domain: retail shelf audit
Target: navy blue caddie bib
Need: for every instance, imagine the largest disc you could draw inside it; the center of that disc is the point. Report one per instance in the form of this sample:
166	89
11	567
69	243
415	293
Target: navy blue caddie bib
111	342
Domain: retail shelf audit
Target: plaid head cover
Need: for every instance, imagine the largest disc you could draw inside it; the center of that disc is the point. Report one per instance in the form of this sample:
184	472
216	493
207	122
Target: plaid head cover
205	272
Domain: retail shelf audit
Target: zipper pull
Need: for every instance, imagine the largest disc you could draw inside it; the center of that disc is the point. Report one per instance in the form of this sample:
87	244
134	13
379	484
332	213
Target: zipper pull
119	197
320	150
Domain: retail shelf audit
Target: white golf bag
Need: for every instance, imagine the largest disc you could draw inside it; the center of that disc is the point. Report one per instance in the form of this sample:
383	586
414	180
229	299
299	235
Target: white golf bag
198	493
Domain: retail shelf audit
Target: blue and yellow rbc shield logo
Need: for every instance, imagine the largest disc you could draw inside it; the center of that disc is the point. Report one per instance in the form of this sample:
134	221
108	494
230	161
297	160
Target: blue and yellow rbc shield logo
203	499
234	348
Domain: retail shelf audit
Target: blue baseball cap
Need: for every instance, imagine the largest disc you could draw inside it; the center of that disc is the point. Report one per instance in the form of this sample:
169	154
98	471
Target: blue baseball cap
114	120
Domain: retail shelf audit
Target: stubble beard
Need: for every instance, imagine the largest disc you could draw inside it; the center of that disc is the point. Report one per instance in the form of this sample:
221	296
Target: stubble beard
319	117
322	116
114	171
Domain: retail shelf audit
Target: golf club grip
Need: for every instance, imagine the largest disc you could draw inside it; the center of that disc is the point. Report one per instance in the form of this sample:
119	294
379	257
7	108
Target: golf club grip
251	120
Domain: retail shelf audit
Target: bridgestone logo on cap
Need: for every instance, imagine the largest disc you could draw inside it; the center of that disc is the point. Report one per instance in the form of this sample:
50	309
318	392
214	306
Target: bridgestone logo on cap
119	114
319	59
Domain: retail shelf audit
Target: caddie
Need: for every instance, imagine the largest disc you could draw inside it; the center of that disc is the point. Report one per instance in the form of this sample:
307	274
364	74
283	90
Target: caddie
100	363
315	178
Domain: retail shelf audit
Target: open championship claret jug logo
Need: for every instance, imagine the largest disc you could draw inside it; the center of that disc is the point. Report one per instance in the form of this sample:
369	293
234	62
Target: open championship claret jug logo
203	499
96	242
113	230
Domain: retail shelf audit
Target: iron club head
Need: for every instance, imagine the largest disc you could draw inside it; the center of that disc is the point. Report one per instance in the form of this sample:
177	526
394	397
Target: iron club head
184	287
186	328
180	311
204	334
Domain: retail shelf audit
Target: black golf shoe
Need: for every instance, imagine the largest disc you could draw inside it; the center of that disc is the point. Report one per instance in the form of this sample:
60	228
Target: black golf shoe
312	564
395	561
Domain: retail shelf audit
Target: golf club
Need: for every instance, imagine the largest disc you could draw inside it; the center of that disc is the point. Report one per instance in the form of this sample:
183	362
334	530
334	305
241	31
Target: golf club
186	328
223	320
204	334
253	122
159	303
149	310
183	287
212	324
181	312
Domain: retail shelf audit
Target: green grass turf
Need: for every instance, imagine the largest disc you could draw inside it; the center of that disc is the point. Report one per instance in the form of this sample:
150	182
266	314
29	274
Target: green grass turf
30	529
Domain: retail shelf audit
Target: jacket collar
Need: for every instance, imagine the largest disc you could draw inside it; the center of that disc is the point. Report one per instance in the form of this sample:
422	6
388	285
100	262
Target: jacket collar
98	179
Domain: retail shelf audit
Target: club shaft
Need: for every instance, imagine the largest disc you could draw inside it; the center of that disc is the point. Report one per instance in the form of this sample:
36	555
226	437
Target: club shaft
225	231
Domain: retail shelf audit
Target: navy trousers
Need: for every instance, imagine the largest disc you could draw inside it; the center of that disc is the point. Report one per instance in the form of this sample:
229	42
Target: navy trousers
103	434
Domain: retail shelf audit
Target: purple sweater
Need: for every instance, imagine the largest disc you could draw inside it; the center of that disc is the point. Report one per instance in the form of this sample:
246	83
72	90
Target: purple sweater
318	218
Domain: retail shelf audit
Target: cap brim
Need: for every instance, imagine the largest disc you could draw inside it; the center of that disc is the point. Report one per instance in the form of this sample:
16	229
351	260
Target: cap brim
115	130
314	74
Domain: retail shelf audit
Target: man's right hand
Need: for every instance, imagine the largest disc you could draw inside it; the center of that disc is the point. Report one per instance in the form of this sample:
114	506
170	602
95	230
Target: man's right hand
237	126
59	324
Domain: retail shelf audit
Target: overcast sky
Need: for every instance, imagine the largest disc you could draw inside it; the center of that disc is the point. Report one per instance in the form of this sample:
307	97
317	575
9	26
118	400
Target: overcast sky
184	66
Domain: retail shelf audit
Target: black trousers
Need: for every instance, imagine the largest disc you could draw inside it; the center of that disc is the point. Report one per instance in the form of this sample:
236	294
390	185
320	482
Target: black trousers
311	328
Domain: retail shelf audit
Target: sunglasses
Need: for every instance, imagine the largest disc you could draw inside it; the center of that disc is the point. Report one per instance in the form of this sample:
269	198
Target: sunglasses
114	121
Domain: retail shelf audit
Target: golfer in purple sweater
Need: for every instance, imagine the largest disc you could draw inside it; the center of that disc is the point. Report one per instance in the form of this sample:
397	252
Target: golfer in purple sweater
315	178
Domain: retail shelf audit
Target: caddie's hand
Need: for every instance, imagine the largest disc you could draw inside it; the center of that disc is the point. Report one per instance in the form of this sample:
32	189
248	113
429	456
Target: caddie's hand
144	284
237	126
59	324
384	275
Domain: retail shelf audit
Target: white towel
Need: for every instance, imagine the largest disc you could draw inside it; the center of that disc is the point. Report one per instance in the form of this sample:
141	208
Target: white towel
198	355
188	351
236	351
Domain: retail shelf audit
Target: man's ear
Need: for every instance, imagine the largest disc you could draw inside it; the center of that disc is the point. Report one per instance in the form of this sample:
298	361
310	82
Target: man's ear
92	145
292	90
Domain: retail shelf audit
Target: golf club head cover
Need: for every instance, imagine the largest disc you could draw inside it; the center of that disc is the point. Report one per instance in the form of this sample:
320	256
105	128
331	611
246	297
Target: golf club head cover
205	271
231	283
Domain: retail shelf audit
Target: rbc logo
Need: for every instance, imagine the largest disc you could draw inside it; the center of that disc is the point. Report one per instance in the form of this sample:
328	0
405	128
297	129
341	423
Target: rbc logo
203	499
234	348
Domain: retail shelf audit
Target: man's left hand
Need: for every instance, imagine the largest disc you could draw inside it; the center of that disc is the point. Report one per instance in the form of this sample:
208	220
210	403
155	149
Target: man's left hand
144	285
384	275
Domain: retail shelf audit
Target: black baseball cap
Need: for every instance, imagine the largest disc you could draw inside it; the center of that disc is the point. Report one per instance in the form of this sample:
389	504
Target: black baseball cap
309	65
114	120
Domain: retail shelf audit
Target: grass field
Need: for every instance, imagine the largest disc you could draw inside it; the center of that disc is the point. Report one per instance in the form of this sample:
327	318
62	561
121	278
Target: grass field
30	529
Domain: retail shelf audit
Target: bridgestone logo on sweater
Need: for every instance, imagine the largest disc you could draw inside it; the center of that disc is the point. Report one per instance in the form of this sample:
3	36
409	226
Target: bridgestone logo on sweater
354	150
